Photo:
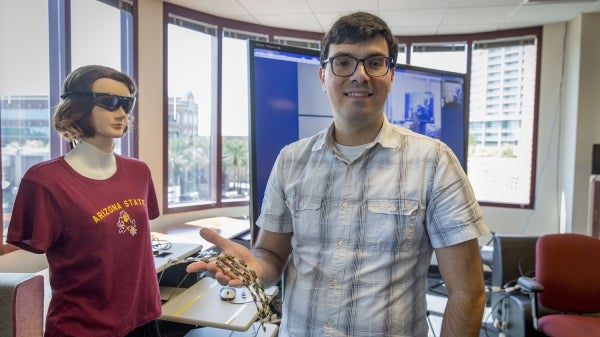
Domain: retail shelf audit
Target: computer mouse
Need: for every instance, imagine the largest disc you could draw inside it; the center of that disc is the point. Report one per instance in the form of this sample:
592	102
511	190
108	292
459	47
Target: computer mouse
227	294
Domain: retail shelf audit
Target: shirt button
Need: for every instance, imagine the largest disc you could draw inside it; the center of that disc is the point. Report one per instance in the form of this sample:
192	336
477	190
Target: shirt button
301	204
340	244
335	283
344	204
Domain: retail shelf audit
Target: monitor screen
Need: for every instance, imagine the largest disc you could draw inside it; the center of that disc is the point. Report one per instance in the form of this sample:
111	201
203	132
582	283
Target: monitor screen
431	102
287	104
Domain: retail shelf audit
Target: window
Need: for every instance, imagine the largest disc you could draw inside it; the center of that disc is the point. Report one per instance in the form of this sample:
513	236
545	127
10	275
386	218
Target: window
501	157
502	72
207	160
24	95
296	42
99	32
210	168
110	29
234	115
401	53
191	97
444	56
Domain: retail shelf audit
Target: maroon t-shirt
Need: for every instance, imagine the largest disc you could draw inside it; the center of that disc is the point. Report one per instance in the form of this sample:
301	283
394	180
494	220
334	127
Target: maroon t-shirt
96	236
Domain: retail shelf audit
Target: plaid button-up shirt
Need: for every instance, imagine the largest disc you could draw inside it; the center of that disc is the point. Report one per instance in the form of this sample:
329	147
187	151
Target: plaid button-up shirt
364	231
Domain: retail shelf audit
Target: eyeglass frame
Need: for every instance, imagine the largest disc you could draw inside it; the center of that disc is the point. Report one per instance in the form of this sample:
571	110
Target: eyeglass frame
388	59
122	100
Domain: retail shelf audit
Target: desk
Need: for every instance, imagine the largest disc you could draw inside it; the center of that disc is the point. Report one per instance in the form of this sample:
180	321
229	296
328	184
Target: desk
176	251
271	330
186	240
189	232
201	305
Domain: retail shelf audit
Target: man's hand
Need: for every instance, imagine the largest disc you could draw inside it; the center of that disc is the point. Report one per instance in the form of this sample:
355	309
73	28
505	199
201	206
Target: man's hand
229	247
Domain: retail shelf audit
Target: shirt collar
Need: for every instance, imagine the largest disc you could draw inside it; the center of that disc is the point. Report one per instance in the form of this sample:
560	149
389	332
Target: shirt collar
385	137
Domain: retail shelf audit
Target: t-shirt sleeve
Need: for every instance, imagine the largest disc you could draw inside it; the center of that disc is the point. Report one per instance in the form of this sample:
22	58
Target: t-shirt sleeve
34	224
153	209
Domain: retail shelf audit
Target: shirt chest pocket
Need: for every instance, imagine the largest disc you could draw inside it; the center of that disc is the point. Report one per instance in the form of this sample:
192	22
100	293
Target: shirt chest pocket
392	223
309	223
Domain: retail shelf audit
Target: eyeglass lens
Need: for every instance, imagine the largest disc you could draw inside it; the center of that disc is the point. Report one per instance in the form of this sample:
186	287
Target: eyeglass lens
113	102
347	65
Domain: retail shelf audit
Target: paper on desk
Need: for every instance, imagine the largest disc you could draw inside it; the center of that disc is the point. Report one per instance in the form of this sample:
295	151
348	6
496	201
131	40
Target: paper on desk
218	222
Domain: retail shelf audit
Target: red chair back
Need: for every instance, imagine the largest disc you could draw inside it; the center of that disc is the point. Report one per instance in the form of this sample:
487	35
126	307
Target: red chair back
567	265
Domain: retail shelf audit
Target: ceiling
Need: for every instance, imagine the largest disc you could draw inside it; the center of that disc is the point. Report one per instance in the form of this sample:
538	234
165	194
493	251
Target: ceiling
405	17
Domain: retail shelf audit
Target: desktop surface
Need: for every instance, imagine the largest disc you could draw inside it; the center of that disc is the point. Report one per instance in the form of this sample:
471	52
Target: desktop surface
202	305
189	232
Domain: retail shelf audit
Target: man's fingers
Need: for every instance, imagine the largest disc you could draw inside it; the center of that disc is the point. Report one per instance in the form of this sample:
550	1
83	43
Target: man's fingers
214	238
196	266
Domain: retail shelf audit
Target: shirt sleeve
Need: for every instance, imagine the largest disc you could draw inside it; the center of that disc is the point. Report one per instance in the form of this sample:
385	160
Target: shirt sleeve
153	209
453	212
34	224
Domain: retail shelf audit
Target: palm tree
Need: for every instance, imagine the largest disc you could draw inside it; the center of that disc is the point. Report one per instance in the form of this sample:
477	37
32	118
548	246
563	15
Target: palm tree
235	157
187	156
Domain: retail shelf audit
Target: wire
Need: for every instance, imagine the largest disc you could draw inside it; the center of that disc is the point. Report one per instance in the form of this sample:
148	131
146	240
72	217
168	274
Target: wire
494	307
520	266
430	325
160	244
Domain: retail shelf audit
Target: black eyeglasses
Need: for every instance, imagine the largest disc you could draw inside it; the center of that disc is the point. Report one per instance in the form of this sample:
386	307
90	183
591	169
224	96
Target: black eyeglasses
109	102
375	66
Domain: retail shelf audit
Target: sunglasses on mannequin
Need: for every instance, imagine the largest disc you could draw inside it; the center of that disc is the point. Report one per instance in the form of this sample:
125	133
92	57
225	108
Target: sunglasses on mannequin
109	102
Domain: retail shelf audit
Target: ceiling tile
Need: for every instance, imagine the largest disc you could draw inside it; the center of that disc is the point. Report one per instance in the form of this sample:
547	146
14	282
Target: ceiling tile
272	7
305	22
334	6
476	16
405	17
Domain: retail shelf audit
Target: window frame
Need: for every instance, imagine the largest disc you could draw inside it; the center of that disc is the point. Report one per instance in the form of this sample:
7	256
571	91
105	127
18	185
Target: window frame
406	41
221	24
469	39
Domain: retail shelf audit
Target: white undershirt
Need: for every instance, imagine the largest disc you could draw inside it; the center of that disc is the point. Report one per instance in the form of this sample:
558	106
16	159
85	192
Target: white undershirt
352	152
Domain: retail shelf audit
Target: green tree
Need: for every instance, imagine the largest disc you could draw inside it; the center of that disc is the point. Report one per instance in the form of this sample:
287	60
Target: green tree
188	157
235	161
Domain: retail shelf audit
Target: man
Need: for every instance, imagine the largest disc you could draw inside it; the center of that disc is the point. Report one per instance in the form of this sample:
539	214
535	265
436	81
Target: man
358	209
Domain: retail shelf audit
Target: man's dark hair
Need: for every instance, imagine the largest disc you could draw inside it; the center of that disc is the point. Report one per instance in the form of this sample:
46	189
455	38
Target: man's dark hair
358	27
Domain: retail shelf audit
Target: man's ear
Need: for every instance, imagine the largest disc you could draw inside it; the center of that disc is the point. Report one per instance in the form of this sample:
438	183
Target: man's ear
322	78
393	70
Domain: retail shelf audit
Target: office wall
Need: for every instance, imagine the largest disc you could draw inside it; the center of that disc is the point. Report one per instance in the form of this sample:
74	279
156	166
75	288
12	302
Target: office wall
568	125
553	203
585	104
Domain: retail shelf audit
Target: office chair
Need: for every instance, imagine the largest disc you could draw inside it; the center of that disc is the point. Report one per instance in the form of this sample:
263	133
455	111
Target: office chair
565	294
21	305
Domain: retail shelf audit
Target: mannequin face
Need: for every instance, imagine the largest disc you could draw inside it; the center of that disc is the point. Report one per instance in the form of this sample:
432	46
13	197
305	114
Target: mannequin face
108	125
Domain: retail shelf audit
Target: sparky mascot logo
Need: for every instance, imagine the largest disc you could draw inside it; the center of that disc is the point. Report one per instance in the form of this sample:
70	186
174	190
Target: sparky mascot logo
126	224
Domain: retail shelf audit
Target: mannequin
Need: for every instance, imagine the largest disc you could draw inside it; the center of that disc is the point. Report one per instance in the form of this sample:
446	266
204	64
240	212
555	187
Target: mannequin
91	215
